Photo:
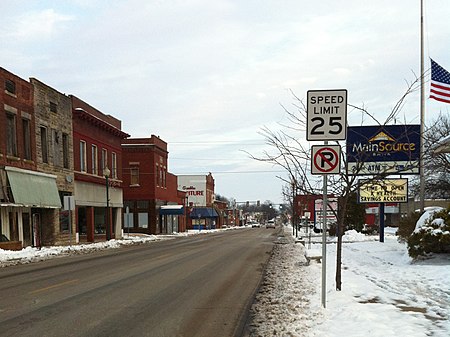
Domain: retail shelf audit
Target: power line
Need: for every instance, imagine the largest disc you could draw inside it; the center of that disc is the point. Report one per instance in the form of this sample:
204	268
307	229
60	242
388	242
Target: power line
194	159
225	142
228	172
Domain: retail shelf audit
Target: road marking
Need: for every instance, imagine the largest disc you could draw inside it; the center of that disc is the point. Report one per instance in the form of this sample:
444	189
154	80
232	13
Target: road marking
53	286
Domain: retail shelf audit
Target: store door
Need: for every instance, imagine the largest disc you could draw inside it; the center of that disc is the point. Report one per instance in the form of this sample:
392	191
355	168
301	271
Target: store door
27	230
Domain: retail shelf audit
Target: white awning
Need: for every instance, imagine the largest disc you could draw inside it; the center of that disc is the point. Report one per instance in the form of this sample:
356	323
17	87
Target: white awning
33	189
171	210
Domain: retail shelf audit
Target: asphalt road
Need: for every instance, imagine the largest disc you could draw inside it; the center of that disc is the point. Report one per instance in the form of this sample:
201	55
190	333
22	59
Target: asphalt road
195	286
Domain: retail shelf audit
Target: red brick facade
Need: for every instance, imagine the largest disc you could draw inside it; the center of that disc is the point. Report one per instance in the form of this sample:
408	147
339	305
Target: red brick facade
29	199
148	185
96	146
17	149
16	98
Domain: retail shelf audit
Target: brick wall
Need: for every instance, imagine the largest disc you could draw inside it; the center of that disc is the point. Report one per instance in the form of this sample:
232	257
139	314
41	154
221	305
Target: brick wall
19	105
53	112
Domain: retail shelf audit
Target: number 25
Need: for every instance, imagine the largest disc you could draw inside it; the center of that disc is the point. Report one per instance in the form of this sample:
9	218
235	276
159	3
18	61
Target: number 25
334	123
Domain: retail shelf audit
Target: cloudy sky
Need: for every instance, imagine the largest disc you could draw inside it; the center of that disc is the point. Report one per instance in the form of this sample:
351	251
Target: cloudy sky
207	75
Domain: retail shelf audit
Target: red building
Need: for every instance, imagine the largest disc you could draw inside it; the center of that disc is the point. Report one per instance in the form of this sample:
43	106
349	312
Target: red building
29	200
97	156
221	209
149	191
233	216
309	206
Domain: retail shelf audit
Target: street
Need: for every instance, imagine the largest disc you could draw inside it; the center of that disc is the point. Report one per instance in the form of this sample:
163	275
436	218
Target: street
200	285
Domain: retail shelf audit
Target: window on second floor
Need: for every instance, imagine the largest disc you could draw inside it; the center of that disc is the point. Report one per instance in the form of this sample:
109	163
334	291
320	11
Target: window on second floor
164	181
157	175
83	156
11	137
114	165
134	176
94	158
56	136
26	134
104	159
44	144
53	107
65	140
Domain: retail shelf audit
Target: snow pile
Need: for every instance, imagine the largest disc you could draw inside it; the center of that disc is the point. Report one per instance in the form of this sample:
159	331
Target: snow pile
31	254
354	236
427	214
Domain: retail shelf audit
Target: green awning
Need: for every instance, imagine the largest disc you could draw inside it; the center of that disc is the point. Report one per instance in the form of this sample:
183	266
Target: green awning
33	189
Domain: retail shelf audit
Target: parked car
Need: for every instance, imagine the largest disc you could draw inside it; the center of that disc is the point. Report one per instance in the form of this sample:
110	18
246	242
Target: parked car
255	224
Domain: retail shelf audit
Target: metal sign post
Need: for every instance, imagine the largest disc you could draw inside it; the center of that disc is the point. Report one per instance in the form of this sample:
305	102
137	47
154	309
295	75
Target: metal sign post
326	120
127	215
69	205
324	238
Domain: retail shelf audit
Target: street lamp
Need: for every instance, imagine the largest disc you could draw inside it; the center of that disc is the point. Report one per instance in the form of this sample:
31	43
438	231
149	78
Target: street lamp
106	173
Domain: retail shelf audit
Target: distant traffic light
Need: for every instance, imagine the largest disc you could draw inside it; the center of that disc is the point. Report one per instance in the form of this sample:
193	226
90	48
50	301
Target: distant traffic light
247	203
257	203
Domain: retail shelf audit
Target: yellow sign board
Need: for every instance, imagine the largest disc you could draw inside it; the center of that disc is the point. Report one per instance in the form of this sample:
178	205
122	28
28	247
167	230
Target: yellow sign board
383	191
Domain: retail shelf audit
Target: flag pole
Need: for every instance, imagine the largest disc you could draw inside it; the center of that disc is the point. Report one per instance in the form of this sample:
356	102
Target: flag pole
422	114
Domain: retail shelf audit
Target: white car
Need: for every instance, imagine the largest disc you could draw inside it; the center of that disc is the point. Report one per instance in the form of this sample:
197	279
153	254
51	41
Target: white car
270	224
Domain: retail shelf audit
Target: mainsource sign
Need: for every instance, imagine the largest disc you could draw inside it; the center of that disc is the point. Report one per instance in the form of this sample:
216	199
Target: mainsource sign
384	191
392	149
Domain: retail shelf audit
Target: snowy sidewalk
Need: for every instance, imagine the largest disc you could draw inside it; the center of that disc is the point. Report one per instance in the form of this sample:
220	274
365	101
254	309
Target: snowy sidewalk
383	293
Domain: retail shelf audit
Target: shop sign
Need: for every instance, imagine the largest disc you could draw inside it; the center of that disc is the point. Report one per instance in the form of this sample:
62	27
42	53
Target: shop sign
383	191
384	149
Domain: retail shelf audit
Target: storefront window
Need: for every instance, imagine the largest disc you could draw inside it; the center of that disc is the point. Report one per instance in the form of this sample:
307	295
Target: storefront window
64	220
143	220
128	220
99	220
82	221
64	215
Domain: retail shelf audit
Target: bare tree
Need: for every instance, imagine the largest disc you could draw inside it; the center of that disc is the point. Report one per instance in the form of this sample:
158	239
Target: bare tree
289	150
436	166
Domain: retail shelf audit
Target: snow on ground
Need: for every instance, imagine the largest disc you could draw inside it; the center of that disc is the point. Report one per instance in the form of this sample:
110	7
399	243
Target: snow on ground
384	293
30	254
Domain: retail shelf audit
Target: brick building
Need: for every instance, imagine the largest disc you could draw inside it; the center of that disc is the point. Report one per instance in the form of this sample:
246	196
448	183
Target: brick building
150	190
97	157
28	199
221	209
54	155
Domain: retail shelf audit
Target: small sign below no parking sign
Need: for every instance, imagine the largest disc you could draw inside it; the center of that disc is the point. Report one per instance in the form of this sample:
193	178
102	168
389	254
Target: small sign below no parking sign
325	159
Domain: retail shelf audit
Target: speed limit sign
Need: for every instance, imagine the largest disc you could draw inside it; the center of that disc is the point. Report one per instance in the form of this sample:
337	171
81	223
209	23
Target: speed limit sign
326	115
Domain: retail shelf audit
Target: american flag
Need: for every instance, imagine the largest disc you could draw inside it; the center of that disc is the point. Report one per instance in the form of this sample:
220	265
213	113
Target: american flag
440	83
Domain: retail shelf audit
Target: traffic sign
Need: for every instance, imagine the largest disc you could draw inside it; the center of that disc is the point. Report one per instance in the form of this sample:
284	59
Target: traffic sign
325	159
326	115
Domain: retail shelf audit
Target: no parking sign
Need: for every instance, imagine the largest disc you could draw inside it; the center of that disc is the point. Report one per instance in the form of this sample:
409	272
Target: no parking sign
325	159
